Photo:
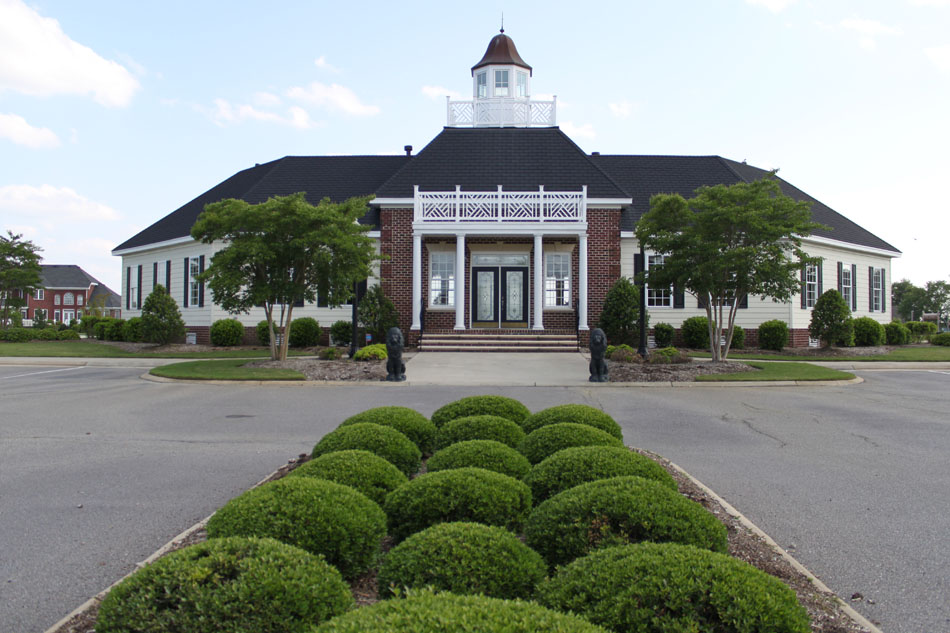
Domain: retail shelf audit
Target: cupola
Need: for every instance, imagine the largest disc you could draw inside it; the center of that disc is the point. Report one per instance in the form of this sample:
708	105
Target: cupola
501	73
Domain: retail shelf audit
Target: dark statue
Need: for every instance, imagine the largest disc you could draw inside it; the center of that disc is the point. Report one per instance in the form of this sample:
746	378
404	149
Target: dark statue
598	347
395	368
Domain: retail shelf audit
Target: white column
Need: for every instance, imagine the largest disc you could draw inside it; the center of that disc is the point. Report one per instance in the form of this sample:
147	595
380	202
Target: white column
460	281
538	283
416	281
582	283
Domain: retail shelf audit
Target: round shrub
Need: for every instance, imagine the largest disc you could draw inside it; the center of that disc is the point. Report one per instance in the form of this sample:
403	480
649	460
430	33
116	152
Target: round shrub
773	335
696	332
460	494
481	405
132	330
341	333
550	439
831	319
668	587
376	351
68	335
896	333
942	339
487	454
464	558
868	332
99	329
479	427
409	422
305	332
663	334
114	329
365	472
263	333
388	443
46	334
576	413
581	464
920	330
614	352
738	337
226	333
227	584
616	511
428	612
319	516
15	334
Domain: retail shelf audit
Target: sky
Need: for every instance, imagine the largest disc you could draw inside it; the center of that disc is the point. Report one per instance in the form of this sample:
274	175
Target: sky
115	113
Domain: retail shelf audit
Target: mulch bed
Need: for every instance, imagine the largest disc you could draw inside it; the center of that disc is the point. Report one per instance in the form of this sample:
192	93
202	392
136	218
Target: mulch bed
682	372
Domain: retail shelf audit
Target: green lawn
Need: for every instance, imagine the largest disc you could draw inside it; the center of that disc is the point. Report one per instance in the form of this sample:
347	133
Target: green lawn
780	371
930	353
232	369
88	349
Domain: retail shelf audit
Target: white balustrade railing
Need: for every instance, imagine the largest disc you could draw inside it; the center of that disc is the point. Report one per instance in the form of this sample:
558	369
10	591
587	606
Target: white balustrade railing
500	206
501	112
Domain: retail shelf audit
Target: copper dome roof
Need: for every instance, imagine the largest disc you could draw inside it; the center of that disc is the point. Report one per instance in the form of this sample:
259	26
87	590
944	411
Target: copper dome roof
501	50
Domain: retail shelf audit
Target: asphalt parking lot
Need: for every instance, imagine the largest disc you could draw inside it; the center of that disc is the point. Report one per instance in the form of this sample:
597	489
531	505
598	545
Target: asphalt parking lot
99	468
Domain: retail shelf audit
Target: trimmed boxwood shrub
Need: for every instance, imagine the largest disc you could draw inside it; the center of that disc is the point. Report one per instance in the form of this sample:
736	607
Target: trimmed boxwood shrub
479	427
941	339
773	335
617	511
868	332
896	333
576	413
668	587
16	334
460	494
114	329
319	516
341	333
550	439
99	329
263	333
487	454
377	351
624	350
226	333
581	464
132	330
361	470
481	405
227	584
663	334
46	334
409	422
305	332
464	558
695	332
380	440
68	335
428	612
738	338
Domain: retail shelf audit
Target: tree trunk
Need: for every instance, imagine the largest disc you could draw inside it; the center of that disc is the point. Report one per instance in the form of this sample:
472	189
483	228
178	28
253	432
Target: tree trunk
272	340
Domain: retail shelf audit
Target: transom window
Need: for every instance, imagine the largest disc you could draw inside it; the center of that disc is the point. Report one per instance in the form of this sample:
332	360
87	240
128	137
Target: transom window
557	280
501	83
481	85
811	285
847	285
194	269
442	279
877	289
522	88
658	297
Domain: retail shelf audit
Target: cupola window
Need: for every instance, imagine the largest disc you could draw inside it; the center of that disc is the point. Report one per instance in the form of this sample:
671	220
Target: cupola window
481	83
501	83
522	84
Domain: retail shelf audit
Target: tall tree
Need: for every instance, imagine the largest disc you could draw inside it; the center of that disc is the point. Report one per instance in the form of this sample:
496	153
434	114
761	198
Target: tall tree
283	251
20	274
726	243
938	299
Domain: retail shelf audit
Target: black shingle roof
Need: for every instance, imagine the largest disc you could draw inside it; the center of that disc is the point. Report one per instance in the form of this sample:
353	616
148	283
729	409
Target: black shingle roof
65	276
334	177
519	159
113	300
644	176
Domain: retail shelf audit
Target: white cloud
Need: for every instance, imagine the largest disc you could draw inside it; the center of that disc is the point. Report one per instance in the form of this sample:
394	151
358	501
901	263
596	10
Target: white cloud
15	128
623	109
869	30
930	3
322	63
578	131
52	205
37	58
775	6
225	113
940	56
438	92
333	97
266	99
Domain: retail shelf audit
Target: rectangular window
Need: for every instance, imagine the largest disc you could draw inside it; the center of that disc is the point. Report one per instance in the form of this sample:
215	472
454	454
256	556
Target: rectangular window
811	285
56	300
442	279
847	285
658	297
194	269
78	300
522	84
39	314
877	290
56	317
68	316
481	84
557	280
39	294
501	83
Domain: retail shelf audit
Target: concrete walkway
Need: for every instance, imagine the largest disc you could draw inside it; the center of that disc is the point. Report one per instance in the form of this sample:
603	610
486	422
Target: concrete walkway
522	369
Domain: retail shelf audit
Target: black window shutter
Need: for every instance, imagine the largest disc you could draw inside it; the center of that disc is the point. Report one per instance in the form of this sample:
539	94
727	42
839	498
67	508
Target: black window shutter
700	302
185	289
299	302
679	298
637	266
745	302
154	274
138	290
840	287
201	287
168	276
883	294
870	288
854	286
804	286
820	279
128	287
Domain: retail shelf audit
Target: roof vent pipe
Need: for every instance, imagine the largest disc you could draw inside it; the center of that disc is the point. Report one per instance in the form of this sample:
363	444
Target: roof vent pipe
595	153
408	149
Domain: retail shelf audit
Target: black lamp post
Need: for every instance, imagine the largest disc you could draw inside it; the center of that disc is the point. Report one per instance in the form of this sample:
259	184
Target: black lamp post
354	343
642	349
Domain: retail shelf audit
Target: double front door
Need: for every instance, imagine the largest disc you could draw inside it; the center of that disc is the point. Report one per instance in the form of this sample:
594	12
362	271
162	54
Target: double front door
500	296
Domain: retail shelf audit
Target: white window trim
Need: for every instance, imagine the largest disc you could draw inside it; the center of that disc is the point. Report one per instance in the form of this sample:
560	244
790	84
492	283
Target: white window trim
57	318
194	286
39	294
849	298
78	299
570	274
57	300
483	75
877	285
811	270
646	266
449	252
521	79
69	299
495	85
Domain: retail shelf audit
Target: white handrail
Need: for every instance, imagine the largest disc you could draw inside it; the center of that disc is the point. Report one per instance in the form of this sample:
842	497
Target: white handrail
501	112
500	206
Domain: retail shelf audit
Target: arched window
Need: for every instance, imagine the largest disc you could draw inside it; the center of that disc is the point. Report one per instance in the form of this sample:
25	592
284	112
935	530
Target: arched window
68	299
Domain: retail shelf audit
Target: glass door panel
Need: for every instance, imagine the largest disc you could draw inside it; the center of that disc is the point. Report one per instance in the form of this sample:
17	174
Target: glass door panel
514	296
484	297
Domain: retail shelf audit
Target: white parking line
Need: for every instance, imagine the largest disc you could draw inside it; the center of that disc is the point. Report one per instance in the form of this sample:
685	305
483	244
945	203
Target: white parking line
934	371
48	371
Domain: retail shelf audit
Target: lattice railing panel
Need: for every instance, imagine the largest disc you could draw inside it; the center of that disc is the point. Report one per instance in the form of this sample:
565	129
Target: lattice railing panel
500	206
501	112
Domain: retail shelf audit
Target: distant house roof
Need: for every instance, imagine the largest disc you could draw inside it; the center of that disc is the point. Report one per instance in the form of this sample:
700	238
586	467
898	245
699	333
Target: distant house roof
66	276
335	177
113	300
644	176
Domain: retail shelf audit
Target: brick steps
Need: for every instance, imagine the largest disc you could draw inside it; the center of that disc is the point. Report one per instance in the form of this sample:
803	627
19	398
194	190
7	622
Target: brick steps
496	341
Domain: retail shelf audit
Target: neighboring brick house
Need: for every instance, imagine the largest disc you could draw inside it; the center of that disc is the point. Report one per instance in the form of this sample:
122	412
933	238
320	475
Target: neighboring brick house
503	224
68	291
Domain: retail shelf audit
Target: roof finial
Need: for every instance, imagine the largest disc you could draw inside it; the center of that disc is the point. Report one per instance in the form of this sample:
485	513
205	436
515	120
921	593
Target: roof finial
502	21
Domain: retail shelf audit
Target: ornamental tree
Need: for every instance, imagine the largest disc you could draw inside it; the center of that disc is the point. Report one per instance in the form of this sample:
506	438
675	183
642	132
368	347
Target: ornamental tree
726	243
283	251
20	274
831	319
161	319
